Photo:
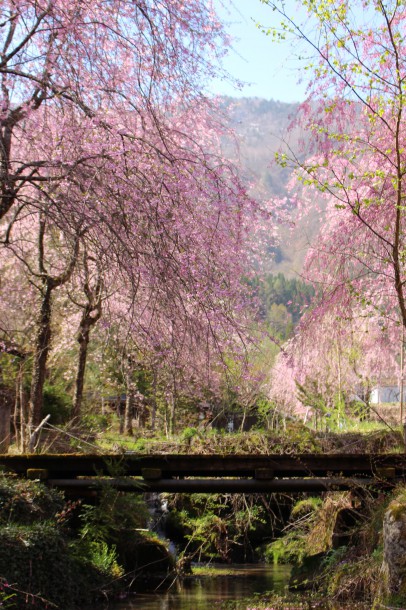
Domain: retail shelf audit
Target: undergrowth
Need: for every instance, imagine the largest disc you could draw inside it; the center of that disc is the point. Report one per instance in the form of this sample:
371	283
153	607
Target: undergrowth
295	438
336	547
221	527
57	554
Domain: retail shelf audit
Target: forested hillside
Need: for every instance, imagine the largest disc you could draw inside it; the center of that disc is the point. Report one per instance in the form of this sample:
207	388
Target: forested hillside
262	128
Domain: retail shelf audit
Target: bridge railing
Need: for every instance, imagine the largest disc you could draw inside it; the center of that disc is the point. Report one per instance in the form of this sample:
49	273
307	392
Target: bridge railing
80	473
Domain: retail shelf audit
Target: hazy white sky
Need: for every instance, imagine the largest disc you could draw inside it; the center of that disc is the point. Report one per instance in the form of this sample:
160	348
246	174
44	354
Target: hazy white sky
267	67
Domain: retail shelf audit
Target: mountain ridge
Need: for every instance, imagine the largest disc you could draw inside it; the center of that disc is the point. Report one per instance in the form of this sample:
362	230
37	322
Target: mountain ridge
264	127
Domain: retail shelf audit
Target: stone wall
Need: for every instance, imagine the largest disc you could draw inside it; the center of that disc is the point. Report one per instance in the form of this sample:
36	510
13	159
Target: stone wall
394	539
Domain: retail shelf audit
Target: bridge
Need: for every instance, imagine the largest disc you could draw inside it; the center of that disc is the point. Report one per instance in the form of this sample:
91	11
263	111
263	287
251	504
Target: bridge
83	474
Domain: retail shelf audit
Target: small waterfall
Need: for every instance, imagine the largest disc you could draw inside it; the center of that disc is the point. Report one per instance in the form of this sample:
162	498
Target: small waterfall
158	510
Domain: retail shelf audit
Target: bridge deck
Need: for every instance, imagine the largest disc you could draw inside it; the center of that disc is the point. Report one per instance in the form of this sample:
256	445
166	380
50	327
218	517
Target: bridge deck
205	473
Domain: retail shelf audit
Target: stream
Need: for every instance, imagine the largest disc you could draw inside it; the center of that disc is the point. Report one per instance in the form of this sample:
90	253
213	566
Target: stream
235	590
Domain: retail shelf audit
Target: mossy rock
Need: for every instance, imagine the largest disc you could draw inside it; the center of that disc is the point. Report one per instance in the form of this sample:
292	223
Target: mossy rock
394	533
146	559
397	509
306	575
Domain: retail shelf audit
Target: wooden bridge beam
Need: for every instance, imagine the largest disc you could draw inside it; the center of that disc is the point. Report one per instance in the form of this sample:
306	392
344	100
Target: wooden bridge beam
168	466
210	473
208	485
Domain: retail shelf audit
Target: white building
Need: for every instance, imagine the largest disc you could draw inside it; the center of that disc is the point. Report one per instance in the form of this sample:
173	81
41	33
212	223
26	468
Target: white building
386	393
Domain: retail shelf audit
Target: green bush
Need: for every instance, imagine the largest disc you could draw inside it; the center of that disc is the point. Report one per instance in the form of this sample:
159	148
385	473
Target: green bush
99	555
26	502
37	563
218	526
45	560
56	403
95	422
188	433
306	506
290	549
114	513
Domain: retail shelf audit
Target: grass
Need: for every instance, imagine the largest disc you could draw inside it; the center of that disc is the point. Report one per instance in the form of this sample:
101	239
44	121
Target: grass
107	438
366	427
363	434
210	571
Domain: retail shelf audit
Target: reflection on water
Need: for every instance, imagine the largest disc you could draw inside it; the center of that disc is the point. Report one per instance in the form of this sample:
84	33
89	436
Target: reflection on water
205	592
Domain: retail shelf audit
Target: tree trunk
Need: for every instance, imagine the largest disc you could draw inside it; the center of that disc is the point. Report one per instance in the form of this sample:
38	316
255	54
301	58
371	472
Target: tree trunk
41	351
244	417
154	401
91	314
43	338
16	419
24	411
172	409
129	402
5	425
128	415
20	407
153	413
83	339
16	415
121	415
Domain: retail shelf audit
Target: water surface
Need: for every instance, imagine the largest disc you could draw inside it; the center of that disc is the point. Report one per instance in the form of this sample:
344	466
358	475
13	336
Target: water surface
236	589
210	592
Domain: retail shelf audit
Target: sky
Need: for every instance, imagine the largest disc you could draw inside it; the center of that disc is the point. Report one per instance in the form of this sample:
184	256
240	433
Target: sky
267	67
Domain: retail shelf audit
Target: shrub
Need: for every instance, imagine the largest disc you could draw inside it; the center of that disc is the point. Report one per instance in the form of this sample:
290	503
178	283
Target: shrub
56	403
43	561
25	501
37	563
